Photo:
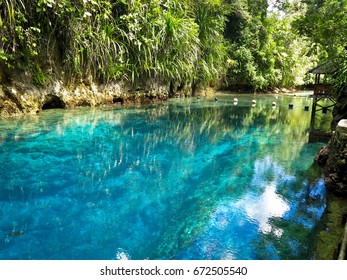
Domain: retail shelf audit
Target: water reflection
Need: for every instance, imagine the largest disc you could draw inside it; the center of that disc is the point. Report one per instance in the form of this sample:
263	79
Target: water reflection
186	179
272	209
268	205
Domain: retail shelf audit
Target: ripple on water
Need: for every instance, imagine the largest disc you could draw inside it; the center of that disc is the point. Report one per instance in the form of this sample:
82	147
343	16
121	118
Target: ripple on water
188	180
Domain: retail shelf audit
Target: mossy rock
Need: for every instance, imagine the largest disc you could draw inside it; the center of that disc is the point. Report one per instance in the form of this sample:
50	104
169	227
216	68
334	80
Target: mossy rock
330	238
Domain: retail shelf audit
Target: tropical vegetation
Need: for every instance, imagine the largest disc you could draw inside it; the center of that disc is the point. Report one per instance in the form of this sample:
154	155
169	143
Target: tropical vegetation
325	24
256	45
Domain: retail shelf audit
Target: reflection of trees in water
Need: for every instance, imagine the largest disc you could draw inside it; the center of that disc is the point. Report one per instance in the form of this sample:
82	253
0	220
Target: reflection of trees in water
299	225
147	147
322	122
175	127
183	125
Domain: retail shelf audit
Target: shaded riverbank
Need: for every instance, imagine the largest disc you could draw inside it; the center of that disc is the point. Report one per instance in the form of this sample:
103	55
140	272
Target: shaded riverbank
330	238
333	160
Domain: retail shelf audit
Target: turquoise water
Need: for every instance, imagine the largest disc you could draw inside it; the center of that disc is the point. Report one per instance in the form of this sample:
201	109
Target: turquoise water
186	179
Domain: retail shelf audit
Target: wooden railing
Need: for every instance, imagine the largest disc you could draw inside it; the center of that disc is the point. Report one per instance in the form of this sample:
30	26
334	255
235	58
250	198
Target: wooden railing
322	89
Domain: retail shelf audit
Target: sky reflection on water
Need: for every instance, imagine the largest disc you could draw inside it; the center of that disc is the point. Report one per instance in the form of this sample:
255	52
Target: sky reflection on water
185	179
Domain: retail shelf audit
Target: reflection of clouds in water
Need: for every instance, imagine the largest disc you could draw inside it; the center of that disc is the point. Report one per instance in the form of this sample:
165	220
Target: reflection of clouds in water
225	236
122	255
227	255
267	171
234	227
262	202
265	207
261	207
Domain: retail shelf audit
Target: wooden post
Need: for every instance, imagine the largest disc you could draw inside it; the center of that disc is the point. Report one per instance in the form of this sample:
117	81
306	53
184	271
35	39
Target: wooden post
342	254
313	113
342	128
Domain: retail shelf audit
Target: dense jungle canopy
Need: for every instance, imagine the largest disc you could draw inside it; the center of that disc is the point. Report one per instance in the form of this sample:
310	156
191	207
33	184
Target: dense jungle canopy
232	43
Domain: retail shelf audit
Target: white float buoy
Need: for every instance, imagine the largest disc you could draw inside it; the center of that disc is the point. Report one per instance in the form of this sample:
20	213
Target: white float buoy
274	104
236	100
291	105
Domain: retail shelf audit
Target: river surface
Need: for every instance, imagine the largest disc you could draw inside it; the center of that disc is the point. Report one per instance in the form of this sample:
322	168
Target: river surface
185	179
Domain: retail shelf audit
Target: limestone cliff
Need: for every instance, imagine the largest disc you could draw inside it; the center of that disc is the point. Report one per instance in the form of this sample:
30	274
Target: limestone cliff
23	97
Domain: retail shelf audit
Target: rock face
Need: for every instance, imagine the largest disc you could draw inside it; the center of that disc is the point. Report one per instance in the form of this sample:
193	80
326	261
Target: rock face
333	160
22	97
340	109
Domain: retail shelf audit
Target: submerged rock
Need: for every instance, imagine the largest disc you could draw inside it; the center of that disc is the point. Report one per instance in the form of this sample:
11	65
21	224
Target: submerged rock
15	233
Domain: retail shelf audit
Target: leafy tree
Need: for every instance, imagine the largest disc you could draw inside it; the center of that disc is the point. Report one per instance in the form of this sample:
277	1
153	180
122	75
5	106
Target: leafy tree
325	23
240	42
138	40
211	21
264	51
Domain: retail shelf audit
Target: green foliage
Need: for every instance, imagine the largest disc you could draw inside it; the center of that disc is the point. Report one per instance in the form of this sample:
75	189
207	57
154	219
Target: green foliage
239	42
325	23
133	40
211	21
265	52
161	43
39	77
4	57
340	77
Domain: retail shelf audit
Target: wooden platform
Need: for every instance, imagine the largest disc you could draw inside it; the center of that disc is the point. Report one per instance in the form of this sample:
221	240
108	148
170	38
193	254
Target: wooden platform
322	90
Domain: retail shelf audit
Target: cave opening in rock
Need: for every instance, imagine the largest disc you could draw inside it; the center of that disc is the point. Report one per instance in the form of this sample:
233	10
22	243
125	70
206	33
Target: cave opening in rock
53	102
118	100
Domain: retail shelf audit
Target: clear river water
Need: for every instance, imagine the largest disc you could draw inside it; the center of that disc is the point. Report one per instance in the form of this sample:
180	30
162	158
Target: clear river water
185	179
